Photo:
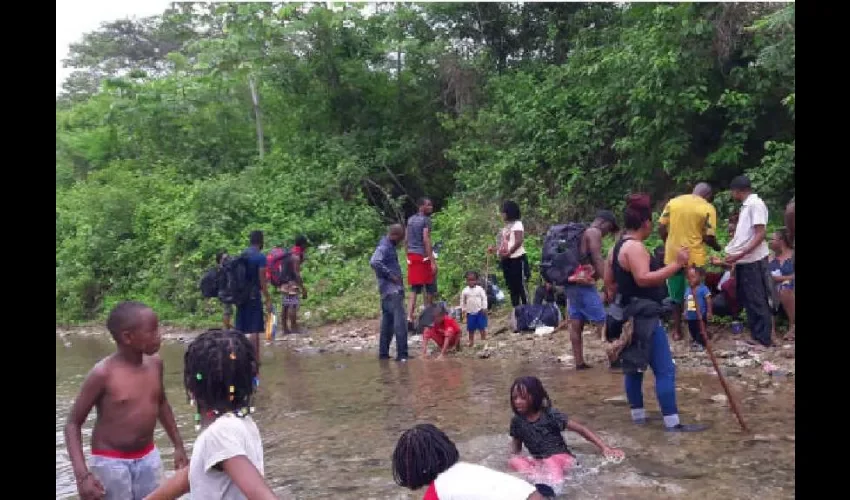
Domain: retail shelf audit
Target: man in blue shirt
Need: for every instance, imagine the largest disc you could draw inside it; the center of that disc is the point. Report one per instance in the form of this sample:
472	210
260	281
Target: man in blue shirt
390	284
250	315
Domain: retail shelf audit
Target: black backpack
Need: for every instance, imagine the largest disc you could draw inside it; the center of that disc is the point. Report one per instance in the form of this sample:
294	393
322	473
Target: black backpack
561	252
234	285
528	317
209	284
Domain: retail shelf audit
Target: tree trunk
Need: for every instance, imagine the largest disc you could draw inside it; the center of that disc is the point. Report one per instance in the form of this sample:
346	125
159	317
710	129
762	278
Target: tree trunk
258	116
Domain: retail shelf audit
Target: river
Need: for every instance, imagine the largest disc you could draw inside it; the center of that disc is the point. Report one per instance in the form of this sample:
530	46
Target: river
330	422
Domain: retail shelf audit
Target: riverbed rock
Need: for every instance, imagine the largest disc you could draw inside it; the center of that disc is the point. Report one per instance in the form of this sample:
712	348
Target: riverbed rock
566	358
719	398
616	400
485	353
764	438
743	362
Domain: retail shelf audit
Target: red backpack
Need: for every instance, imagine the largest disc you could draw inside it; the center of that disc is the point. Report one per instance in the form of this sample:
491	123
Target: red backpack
277	266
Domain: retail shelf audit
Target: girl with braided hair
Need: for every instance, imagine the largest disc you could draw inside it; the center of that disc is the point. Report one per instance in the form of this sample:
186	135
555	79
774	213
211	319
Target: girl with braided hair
227	457
425	456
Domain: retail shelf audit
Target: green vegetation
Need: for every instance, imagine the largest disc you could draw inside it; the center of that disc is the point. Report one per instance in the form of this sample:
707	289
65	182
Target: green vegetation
179	134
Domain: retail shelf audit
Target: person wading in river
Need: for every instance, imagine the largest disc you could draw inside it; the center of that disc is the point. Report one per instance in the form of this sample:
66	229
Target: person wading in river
250	319
421	264
639	294
390	284
690	221
292	286
584	304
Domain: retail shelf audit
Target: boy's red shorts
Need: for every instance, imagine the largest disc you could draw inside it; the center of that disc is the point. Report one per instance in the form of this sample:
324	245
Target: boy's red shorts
419	270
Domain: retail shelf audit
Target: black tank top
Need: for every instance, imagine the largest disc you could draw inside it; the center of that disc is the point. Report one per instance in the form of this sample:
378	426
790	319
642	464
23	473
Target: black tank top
627	287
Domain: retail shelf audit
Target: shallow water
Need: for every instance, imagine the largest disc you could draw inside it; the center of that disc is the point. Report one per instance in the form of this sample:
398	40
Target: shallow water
330	422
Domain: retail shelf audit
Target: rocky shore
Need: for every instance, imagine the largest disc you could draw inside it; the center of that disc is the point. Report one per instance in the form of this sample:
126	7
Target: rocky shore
737	359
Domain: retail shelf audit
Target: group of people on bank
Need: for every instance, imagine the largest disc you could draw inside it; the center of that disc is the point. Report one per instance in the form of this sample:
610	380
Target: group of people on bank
750	280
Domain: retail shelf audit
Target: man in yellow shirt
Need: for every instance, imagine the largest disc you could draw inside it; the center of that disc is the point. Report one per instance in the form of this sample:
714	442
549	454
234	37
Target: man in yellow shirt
689	220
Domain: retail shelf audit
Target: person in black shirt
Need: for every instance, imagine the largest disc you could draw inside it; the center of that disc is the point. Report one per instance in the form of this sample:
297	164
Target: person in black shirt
538	426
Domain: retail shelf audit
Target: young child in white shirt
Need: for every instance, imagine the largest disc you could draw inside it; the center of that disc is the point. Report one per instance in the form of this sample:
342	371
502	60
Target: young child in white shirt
473	304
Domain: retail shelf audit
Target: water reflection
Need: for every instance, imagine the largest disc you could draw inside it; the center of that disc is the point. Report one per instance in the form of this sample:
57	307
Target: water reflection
330	422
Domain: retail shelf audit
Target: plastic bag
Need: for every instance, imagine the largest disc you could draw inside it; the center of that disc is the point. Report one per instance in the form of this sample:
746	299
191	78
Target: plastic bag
271	325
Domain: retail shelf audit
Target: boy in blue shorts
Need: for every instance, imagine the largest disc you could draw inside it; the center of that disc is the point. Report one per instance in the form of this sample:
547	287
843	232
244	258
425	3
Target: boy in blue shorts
473	304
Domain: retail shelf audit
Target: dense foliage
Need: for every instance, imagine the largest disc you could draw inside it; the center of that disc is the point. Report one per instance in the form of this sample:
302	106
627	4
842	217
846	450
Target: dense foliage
178	134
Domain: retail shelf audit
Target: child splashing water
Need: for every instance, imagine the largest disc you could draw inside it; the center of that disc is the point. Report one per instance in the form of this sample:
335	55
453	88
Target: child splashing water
127	390
538	426
425	456
227	458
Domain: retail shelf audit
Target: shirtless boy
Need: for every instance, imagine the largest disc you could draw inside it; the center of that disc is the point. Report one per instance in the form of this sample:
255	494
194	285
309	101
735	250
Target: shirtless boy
127	390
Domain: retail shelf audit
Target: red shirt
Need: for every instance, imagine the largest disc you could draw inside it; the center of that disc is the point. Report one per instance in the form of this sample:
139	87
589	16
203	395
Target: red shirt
447	327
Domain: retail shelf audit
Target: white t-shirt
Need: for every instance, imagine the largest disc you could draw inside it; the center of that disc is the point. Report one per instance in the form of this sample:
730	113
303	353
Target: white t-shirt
465	481
473	300
509	239
229	436
753	213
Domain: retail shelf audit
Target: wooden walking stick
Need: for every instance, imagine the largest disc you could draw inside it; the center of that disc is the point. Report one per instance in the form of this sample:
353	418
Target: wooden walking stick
733	402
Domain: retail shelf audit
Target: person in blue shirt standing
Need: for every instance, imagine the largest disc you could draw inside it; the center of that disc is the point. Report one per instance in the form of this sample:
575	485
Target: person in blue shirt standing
250	317
390	285
697	295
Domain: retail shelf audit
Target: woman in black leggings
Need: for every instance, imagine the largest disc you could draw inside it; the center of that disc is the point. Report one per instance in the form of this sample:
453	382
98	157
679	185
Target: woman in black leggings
512	253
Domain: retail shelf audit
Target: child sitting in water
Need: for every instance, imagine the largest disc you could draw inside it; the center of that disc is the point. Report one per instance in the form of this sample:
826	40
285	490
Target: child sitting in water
473	304
127	390
227	458
425	456
538	426
697	307
445	332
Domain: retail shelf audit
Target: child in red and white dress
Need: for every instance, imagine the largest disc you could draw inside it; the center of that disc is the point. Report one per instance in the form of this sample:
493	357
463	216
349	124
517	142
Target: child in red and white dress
426	457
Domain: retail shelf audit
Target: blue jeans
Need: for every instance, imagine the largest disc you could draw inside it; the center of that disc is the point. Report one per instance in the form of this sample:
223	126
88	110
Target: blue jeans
393	322
661	362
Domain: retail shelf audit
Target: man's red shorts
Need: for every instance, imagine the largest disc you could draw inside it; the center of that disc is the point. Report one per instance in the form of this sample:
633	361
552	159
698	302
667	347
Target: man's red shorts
419	270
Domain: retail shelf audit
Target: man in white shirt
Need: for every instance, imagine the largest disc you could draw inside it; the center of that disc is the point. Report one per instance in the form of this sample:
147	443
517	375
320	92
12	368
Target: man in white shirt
748	253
